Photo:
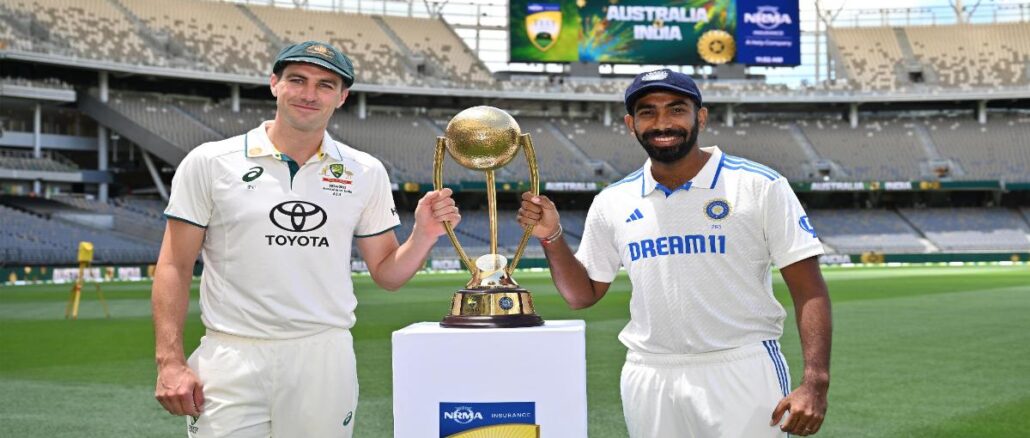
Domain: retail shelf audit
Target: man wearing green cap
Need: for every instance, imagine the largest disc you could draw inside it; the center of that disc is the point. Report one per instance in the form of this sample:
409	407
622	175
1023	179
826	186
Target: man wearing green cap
274	213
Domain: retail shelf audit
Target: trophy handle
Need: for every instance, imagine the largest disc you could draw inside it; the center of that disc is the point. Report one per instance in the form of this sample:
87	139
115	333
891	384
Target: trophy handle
534	186
441	144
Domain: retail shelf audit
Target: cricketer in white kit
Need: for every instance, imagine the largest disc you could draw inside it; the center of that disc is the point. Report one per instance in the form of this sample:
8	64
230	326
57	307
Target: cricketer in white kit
698	231
274	212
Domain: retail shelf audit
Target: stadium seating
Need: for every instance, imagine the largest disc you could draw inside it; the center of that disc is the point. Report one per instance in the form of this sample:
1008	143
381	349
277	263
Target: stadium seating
213	35
129	216
970	55
766	141
962	56
612	144
869	55
879	149
858	231
161	115
31	239
996	150
972	229
448	55
23	160
91	29
376	59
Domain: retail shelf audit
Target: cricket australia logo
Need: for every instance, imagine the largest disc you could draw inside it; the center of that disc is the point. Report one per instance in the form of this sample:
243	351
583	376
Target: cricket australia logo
318	50
337	179
543	24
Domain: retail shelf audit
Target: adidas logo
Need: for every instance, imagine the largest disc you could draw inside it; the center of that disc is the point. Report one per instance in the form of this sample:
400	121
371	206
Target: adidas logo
635	216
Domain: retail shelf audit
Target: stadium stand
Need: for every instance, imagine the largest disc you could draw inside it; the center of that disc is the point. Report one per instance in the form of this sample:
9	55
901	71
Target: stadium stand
162	116
971	55
879	149
221	118
996	150
558	160
90	29
376	59
139	222
857	231
450	58
212	35
962	56
31	239
405	143
868	55
24	160
613	144
767	141
972	229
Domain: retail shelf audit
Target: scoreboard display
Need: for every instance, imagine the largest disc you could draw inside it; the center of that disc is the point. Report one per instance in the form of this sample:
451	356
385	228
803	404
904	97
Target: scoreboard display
685	32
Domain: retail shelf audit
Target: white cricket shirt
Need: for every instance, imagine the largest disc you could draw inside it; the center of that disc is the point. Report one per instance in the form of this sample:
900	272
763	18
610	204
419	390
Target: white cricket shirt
277	249
698	256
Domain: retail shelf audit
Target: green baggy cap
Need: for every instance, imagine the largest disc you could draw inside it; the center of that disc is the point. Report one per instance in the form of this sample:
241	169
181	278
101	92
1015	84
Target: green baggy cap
320	54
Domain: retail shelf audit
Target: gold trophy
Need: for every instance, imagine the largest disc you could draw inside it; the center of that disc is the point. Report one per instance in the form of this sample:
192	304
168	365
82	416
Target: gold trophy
486	138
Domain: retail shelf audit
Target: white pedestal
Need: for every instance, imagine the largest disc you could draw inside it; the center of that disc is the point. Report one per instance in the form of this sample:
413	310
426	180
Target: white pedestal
446	378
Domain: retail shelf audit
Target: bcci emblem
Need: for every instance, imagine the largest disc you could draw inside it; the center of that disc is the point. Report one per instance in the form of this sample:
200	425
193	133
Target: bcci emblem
717	209
543	24
322	51
506	303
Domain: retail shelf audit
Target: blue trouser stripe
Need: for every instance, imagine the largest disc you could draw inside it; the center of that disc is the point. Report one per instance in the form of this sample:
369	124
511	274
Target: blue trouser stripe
776	364
783	366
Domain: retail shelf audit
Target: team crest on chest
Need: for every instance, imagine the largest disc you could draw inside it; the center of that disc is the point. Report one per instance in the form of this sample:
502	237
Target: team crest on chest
336	179
717	209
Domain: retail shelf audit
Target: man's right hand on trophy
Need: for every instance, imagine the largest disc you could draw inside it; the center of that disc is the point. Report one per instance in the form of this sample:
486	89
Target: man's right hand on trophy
538	210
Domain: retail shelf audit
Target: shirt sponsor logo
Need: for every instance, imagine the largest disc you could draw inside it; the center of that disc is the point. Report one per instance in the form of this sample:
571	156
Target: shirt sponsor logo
281	240
806	225
298	216
677	244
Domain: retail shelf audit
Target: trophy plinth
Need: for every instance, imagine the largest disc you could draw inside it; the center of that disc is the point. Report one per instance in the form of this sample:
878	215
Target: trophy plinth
486	138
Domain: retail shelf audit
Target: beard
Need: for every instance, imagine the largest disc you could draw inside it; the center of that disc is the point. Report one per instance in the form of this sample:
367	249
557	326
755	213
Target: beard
673	153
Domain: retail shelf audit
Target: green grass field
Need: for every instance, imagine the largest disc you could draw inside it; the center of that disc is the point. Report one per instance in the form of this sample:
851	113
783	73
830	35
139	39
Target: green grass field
918	352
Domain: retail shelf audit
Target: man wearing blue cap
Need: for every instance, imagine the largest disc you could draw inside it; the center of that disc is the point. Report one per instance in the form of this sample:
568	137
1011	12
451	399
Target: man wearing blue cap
698	230
275	212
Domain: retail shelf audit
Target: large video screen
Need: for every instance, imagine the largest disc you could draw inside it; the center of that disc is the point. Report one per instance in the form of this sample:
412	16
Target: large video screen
671	32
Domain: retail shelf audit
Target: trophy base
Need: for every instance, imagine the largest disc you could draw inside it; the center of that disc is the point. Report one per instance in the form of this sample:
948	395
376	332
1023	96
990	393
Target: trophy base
502	321
492	308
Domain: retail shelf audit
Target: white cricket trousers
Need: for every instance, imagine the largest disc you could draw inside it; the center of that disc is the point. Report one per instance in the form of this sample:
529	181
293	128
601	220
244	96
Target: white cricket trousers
722	394
304	387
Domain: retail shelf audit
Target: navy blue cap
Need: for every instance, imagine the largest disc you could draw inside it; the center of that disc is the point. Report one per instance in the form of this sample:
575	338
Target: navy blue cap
661	80
320	54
